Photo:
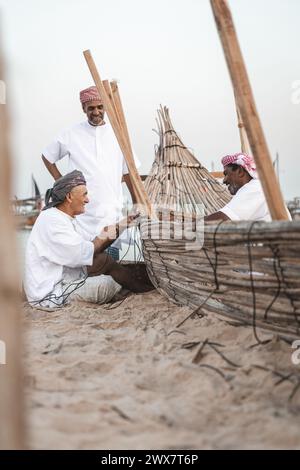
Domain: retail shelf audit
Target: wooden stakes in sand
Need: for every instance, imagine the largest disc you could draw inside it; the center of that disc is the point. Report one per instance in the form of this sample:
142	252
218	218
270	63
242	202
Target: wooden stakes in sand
247	107
120	130
11	398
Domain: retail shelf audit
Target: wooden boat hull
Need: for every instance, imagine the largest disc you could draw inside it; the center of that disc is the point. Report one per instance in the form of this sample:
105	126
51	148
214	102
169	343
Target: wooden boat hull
247	272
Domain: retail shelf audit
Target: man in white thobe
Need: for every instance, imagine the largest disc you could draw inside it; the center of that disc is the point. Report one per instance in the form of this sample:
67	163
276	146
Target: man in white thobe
92	148
248	202
60	264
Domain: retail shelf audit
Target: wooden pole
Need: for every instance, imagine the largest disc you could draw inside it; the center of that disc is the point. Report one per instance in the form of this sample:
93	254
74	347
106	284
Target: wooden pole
11	396
217	174
245	147
109	93
120	111
142	198
247	107
121	120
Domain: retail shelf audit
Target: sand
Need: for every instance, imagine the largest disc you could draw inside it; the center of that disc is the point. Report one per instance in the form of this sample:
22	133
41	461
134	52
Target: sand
124	378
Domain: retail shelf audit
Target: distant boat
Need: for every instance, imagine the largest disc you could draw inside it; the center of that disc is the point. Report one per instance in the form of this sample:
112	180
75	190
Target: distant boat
27	210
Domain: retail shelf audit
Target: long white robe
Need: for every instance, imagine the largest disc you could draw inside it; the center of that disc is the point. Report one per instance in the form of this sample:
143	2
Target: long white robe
56	254
249	203
94	150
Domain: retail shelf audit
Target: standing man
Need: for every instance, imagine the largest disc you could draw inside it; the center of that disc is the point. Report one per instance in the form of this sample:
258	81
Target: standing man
92	148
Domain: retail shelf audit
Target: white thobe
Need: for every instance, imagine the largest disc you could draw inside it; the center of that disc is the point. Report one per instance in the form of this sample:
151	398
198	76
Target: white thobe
94	150
249	203
56	253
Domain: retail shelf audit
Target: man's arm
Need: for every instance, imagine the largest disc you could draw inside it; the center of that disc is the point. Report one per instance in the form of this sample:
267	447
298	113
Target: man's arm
127	180
193	217
216	216
52	168
105	239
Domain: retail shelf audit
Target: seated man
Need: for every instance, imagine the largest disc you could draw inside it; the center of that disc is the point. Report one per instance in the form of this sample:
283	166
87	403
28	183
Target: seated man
60	264
248	202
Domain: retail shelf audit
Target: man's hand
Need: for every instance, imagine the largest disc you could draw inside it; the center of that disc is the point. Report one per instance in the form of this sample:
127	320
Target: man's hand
132	217
111	232
129	221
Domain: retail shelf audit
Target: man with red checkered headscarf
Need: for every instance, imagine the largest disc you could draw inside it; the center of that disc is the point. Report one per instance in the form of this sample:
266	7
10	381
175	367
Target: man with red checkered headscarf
92	148
248	202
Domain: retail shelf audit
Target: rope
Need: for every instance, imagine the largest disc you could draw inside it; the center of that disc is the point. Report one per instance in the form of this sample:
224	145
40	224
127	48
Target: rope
59	301
252	283
275	252
288	296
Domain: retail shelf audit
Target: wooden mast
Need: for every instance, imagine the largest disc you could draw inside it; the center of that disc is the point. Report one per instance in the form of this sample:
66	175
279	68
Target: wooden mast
247	107
11	397
122	137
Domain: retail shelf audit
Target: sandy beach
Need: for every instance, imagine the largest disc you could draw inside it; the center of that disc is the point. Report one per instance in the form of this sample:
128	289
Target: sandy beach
122	376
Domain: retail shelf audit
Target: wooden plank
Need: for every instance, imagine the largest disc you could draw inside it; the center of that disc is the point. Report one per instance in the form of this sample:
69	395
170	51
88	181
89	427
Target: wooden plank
11	396
109	93
247	107
245	147
143	200
121	120
217	174
120	112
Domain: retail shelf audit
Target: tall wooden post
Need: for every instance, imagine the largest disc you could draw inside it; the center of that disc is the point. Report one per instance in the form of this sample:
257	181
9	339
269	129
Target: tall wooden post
247	107
11	398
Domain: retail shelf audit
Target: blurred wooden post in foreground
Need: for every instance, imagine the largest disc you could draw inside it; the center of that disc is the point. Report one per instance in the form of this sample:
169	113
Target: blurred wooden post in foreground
247	108
11	397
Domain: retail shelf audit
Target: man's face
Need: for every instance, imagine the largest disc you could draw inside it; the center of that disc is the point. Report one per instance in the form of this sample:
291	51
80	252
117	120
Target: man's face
78	198
232	179
95	112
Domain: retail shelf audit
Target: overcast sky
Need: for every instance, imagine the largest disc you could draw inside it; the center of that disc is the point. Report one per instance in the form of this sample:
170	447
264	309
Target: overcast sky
162	52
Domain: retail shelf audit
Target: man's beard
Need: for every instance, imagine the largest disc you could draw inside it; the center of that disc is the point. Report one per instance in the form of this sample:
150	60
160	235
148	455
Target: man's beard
99	121
233	189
